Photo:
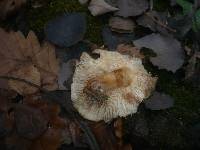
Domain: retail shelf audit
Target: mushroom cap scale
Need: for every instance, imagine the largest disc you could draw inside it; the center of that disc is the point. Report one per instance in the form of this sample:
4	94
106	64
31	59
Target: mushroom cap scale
113	99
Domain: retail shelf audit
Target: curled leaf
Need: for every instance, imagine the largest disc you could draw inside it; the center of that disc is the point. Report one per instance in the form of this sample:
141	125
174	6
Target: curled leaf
25	59
159	101
170	54
111	39
121	25
99	7
129	8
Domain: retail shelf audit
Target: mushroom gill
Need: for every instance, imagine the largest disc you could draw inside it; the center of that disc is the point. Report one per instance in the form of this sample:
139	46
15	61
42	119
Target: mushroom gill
110	86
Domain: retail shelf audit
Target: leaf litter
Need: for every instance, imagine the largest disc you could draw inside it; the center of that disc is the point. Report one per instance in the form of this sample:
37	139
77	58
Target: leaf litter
36	112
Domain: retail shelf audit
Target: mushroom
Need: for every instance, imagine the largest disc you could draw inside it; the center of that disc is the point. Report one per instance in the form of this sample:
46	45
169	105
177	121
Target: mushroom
110	86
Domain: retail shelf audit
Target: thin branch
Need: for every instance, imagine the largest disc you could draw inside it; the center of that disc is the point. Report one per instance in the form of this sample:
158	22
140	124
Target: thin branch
25	81
92	140
160	23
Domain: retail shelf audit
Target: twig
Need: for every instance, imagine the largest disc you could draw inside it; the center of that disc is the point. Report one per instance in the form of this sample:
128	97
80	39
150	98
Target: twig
91	138
25	81
160	23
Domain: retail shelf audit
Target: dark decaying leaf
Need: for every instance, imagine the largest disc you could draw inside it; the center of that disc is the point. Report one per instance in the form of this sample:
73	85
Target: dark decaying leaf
111	39
6	124
182	24
114	138
121	25
101	130
119	133
67	29
148	20
192	70
131	7
73	52
15	142
30	122
6	116
170	54
159	101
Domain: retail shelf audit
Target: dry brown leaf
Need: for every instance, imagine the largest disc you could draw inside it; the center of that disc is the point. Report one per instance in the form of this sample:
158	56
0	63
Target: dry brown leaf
113	140
50	140
129	50
25	59
118	125
9	6
53	136
118	128
29	73
102	130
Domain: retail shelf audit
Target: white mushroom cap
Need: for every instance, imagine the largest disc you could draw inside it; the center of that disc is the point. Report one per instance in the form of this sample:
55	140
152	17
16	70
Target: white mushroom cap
118	101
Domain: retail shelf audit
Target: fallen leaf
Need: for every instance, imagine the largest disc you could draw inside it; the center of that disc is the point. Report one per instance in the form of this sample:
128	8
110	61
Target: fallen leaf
113	140
148	20
182	24
6	124
159	101
118	126
67	29
99	7
129	8
119	133
121	25
76	135
74	52
9	6
30	122
170	54
52	137
112	2
25	59
50	140
66	74
101	130
111	39
28	73
15	142
129	50
6	115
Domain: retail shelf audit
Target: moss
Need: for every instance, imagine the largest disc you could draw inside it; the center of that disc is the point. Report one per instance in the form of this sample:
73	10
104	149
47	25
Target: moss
38	17
186	96
161	5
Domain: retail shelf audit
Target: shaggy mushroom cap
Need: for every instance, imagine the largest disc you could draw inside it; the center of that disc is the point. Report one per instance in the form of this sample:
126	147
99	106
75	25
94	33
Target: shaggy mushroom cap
110	86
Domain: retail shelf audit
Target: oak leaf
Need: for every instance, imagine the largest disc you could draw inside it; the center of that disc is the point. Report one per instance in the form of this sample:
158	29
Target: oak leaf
26	59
